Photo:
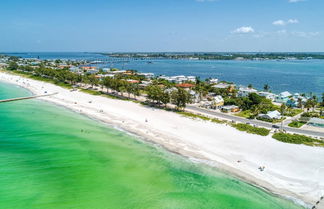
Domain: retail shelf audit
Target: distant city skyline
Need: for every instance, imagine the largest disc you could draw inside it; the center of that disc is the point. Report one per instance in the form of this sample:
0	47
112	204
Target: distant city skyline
162	26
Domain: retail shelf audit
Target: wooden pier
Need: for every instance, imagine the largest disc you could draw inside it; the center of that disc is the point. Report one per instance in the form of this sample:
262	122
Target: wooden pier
24	98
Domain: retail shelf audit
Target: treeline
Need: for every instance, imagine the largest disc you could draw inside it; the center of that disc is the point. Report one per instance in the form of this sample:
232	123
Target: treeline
156	93
220	56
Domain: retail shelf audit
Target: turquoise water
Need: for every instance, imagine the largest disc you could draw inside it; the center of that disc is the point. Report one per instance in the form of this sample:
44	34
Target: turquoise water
302	76
52	158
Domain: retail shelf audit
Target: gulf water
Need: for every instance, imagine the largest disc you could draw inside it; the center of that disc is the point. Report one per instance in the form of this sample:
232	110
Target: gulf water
52	158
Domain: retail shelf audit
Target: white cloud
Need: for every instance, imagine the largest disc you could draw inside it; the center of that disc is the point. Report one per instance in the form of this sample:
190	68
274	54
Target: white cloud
292	21
282	22
295	1
244	29
279	22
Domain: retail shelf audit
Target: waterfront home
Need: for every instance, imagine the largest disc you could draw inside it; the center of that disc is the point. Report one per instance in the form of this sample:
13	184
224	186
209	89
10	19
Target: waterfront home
222	86
267	95
244	92
179	79
218	101
317	122
147	75
185	85
106	69
132	81
145	83
75	69
295	100
230	108
195	97
118	72
271	115
283	97
86	68
228	86
212	81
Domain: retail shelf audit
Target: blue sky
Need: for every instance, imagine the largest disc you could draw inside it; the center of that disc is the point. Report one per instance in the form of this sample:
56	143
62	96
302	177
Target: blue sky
162	25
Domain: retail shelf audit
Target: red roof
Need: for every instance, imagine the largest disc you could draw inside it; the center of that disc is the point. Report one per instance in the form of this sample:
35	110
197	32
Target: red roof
185	85
132	81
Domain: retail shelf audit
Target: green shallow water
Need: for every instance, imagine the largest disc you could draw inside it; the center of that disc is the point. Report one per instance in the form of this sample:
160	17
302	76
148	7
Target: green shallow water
52	158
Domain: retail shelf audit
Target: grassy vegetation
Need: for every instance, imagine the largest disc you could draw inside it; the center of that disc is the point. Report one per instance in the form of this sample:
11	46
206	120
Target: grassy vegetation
251	129
298	139
192	115
293	112
296	124
244	114
100	93
271	120
47	80
312	115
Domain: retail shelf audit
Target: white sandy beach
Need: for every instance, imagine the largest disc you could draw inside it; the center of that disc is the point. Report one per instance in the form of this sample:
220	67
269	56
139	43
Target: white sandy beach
295	171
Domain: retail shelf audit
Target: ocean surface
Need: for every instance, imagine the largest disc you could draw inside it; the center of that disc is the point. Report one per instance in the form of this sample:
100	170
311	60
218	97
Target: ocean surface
52	158
296	76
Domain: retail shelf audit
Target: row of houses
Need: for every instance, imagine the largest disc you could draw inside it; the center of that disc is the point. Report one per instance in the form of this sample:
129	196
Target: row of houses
178	79
291	100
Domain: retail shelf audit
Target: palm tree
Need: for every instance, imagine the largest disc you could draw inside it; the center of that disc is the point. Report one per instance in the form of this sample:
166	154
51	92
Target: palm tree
283	108
266	87
300	103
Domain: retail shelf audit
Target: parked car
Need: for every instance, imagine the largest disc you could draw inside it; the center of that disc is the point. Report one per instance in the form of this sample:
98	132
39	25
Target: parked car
275	126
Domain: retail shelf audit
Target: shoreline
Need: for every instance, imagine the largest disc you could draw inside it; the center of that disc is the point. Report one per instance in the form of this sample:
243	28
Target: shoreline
202	141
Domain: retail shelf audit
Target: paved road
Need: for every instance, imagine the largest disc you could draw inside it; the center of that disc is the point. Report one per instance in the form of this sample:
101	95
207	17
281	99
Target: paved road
254	122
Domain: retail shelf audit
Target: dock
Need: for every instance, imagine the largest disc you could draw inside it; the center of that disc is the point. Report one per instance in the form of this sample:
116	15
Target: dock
25	98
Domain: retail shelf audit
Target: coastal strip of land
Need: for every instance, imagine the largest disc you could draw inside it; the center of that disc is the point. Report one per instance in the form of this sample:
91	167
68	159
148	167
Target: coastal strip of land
293	171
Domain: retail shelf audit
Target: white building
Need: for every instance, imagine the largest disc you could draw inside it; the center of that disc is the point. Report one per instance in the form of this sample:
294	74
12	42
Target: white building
271	115
267	95
147	75
179	79
222	85
244	92
283	97
213	81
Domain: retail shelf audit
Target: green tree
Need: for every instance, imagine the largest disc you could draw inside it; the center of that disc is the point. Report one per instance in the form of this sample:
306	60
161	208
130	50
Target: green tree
266	87
12	66
250	86
308	104
300	103
180	98
93	80
283	109
154	93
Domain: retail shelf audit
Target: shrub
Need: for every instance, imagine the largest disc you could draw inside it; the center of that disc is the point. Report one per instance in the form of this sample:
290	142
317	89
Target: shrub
296	124
192	115
297	139
251	129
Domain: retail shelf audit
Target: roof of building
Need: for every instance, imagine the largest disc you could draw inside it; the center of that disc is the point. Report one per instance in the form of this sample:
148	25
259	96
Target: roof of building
229	107
218	98
185	85
273	114
316	121
285	94
222	85
247	89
